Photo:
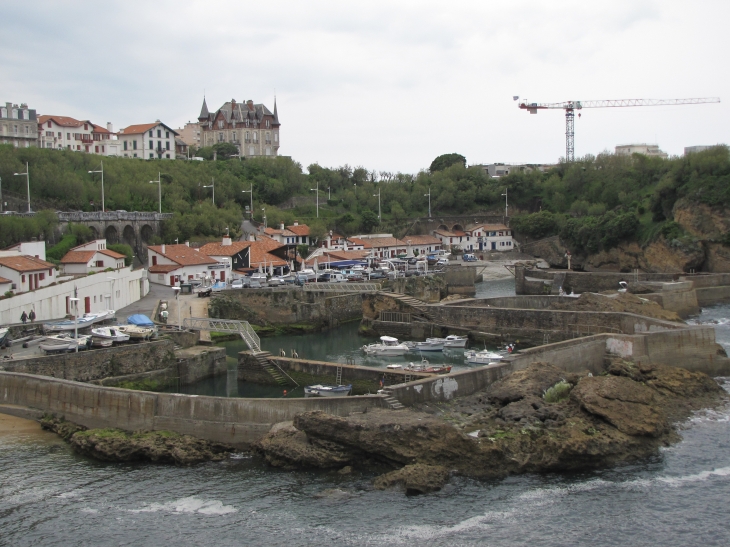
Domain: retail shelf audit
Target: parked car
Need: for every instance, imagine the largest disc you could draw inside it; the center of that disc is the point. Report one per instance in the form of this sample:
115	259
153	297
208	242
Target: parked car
237	284
204	291
276	281
331	278
442	262
355	278
468	257
378	275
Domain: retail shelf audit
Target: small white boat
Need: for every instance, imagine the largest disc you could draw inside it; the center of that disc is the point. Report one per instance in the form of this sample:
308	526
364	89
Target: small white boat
324	390
101	342
100	316
394	367
454	341
65	342
109	333
4	335
82	322
431	344
137	333
483	357
387	347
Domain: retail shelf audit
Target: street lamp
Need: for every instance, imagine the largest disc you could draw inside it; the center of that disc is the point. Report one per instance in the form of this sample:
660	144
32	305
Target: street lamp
316	190
329	194
177	302
378	195
250	192
1	194
429	201
212	185
27	181
264	219
159	188
102	185
75	302
505	204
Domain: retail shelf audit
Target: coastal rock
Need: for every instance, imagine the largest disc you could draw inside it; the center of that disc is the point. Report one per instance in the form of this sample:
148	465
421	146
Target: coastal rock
622	402
416	479
531	381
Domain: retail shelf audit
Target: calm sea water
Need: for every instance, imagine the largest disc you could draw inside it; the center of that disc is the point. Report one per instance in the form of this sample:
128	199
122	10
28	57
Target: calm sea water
50	496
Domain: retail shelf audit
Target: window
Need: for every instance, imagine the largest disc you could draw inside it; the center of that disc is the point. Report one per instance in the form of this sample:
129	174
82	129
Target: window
135	155
234	136
159	133
68	136
167	156
15	129
134	146
248	137
86	127
99	263
268	150
152	156
152	145
50	272
125	145
251	151
221	123
167	134
96	149
159	145
42	276
220	137
167	145
255	137
22	278
60	134
268	124
49	125
15	114
150	132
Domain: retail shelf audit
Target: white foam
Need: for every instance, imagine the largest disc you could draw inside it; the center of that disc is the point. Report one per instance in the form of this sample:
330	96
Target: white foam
89	510
697	477
189	505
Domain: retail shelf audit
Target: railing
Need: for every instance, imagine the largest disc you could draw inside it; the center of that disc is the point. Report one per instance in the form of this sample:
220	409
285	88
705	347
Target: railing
111	215
395	317
579	330
342	287
224	325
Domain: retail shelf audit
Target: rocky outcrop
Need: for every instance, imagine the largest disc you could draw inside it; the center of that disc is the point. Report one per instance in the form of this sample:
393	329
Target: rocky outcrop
617	302
517	425
115	445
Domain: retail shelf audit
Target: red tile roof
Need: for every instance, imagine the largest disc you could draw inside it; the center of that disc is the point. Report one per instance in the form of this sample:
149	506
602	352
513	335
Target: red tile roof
423	240
163	268
143	128
260	253
64	121
385	242
218	249
77	257
342	255
363	242
112	254
300	230
100	129
25	263
3	281
183	255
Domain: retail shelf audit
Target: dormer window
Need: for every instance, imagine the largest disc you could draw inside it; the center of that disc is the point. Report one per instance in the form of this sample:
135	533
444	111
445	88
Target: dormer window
221	123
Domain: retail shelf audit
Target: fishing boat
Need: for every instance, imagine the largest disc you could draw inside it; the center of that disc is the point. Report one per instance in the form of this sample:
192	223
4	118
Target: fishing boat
387	347
109	333
431	344
137	333
450	342
65	342
482	357
82	322
325	390
4	336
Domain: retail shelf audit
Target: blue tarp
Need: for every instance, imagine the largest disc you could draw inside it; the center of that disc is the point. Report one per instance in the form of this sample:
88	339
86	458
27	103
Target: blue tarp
140	320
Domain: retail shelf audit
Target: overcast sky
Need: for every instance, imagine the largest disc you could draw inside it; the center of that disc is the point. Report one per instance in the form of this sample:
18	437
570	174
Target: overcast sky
388	85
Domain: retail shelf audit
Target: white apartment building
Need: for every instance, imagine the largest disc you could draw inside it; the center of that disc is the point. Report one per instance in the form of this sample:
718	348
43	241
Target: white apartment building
25	273
645	149
174	264
18	125
35	249
148	140
190	134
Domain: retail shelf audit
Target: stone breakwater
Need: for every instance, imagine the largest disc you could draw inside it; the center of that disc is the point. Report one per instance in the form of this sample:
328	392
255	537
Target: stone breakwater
507	428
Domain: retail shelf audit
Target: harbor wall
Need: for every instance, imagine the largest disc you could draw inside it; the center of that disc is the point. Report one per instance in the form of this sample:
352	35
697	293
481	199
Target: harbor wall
235	421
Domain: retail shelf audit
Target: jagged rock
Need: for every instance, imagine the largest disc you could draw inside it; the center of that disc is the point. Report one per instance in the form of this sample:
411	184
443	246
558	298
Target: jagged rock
533	380
523	409
289	448
625	404
416	479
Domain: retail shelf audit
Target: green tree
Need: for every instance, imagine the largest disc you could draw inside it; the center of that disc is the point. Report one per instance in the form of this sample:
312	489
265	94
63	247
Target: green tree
446	160
225	150
368	221
123	248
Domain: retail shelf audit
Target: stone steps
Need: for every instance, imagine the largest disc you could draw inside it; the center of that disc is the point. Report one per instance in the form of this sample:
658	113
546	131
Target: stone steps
263	359
393	403
419	305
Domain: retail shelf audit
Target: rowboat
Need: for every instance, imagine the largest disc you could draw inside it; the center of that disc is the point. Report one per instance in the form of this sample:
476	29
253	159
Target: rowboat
387	347
82	322
325	390
109	333
135	332
65	342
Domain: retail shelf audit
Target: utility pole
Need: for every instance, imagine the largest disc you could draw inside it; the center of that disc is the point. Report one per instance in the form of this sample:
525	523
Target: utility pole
429	201
250	192
103	208
27	181
159	187
378	196
1	194
316	190
505	205
212	185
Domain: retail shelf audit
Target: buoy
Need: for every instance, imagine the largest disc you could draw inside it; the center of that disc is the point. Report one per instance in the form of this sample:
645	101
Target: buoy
284	393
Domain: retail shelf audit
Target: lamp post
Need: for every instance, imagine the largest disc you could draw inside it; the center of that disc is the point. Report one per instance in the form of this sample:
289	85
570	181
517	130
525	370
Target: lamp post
316	190
264	219
177	302
1	194
250	192
505	204
329	194
212	185
429	201
75	302
159	187
102	186
378	195
27	181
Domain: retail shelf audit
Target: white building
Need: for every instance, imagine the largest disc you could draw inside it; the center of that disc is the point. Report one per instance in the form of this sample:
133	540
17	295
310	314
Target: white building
25	273
18	125
91	257
482	237
174	264
645	149
382	245
296	234
695	149
66	133
36	249
148	140
422	245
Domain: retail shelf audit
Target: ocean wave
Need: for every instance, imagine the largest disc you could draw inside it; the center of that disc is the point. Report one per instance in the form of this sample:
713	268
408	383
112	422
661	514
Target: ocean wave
188	505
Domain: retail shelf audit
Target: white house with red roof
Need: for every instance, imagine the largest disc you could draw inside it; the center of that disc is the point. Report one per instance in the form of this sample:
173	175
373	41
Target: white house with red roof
382	245
296	234
91	257
24	272
174	264
421	245
489	237
148	141
67	133
236	253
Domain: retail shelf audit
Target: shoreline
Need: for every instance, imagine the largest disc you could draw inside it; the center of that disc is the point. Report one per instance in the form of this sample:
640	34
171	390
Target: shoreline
11	426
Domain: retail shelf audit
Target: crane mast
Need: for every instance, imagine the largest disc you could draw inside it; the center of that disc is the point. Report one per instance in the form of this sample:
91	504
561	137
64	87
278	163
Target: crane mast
571	106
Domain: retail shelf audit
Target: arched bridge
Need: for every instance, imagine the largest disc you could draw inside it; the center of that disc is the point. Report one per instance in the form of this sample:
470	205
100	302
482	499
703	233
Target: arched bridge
135	229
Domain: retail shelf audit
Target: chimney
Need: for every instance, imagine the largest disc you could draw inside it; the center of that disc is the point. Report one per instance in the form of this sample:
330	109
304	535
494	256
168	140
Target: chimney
252	237
163	248
233	104
296	223
226	241
187	244
281	226
109	127
249	103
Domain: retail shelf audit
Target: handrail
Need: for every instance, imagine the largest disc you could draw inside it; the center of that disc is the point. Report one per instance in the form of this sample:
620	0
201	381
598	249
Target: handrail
342	287
276	364
225	325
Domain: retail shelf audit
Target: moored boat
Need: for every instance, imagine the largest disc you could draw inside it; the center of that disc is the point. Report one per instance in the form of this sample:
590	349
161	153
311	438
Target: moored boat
4	336
431	344
427	368
109	333
482	357
135	332
326	390
387	347
64	342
